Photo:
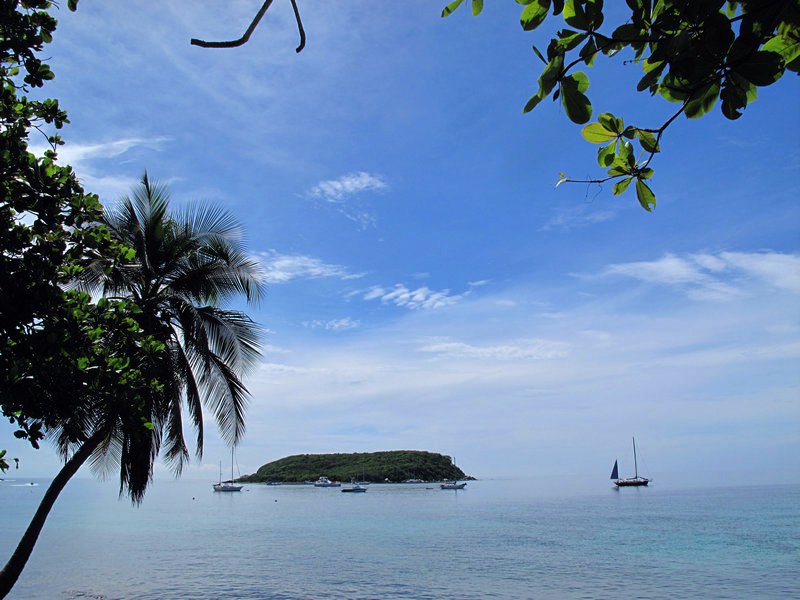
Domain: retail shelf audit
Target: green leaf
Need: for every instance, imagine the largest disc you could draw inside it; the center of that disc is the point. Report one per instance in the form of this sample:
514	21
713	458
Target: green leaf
702	102
148	425
622	185
568	39
477	7
762	68
576	104
646	173
645	195
607	154
589	52
73	5
575	16
647	141
532	102
596	133
451	7
534	14
539	54
611	122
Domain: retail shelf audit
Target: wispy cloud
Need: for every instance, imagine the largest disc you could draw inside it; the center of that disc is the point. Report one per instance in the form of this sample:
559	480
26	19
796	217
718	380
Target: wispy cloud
79	154
715	277
420	298
343	324
85	159
283	268
512	350
337	190
343	194
577	217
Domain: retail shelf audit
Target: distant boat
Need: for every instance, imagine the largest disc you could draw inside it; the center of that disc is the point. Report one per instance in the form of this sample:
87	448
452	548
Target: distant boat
227	486
636	480
325	482
454	485
356	488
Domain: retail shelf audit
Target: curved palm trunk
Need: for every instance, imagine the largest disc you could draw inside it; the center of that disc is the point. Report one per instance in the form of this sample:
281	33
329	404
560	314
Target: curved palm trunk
15	564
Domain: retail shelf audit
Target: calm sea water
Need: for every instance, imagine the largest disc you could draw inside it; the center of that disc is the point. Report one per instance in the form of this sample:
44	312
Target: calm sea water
496	539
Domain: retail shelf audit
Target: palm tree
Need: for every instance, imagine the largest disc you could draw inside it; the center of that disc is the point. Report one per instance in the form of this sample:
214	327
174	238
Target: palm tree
184	268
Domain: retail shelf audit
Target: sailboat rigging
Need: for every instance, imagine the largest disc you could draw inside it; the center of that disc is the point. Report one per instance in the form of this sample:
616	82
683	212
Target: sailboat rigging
227	486
636	480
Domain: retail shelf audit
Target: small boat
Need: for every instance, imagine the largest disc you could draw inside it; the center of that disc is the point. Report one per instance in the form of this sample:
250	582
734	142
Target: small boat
356	488
636	480
325	482
227	486
453	485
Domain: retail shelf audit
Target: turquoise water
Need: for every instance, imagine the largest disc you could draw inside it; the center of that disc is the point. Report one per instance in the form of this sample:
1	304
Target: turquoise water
496	539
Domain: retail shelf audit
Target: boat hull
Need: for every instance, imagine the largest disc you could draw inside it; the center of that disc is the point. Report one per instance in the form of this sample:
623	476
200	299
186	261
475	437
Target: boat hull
631	482
227	488
453	486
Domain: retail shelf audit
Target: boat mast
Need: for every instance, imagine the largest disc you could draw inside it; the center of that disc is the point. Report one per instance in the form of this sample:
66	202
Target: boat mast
635	466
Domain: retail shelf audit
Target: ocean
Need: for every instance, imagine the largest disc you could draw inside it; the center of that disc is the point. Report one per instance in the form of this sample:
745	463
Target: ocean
495	539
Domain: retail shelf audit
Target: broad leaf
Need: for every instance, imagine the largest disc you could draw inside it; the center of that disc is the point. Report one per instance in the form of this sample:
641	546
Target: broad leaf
622	185
596	133
702	102
607	154
645	195
576	104
451	7
648	141
534	14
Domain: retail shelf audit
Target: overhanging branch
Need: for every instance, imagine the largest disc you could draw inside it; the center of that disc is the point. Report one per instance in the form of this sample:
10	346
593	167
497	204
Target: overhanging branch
244	39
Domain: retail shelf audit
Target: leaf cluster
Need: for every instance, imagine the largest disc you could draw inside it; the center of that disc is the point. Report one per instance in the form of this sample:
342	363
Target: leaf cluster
692	52
61	354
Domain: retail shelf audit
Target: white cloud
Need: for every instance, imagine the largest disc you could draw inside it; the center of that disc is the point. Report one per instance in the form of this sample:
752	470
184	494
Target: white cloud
337	190
343	194
84	159
282	268
343	324
420	298
512	350
79	154
715	277
577	217
779	270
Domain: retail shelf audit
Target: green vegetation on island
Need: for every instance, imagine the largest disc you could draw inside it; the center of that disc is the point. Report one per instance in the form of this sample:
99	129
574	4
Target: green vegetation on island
394	466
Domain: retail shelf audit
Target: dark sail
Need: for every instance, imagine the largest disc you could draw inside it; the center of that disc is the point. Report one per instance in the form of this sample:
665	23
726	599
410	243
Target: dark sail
614	472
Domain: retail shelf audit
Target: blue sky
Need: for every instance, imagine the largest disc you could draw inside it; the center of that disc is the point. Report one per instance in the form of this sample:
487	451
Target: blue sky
428	287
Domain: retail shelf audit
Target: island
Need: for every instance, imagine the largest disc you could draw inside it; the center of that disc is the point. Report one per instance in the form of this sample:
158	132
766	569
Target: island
394	466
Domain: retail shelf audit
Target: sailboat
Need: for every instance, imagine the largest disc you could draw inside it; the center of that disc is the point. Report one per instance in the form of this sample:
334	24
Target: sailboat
227	486
636	480
453	485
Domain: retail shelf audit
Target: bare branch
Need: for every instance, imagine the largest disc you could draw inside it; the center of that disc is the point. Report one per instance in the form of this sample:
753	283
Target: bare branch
242	40
299	28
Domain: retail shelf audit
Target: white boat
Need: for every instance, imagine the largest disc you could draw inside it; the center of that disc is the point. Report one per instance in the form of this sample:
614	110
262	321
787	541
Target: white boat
453	485
227	486
355	488
325	482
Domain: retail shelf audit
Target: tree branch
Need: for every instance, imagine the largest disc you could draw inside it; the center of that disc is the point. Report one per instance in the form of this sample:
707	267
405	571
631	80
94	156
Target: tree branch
242	40
246	37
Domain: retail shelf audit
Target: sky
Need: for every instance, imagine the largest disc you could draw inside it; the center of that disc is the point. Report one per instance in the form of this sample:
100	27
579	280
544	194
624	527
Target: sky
428	286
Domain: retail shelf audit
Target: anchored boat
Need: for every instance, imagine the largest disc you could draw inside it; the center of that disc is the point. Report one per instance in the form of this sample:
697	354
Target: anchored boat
633	482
